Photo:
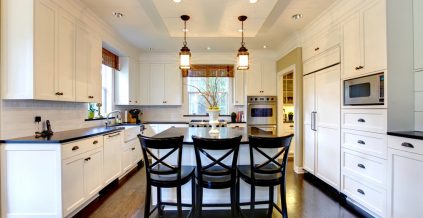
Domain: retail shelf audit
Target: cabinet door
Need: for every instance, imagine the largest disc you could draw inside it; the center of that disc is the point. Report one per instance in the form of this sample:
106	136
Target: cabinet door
328	119
66	43
374	32
405	197
418	34
238	89
268	78
172	85
126	158
134	78
309	134
254	79
93	169
72	183
136	151
95	79
144	84
83	63
111	157
45	50
156	94
352	49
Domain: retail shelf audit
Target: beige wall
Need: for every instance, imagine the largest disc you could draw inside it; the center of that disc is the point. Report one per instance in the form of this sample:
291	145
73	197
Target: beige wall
295	58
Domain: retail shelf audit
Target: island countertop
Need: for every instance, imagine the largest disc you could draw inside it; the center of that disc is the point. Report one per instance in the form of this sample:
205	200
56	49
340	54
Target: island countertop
225	132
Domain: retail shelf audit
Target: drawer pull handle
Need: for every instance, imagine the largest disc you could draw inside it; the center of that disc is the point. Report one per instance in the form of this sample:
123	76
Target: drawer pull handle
95	142
361	166
408	145
361	120
316	49
87	159
361	191
133	149
359	68
114	135
74	148
361	142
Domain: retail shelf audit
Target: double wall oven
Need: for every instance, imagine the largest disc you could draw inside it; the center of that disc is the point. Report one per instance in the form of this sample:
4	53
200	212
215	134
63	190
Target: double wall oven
261	113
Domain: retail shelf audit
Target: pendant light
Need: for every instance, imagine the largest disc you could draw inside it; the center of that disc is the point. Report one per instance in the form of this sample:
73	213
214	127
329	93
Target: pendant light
243	51
185	54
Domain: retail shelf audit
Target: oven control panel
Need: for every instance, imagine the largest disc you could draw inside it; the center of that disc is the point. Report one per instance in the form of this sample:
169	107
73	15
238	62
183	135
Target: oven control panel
261	99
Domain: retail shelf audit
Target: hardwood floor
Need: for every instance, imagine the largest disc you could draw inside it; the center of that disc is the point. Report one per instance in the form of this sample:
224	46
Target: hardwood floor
304	199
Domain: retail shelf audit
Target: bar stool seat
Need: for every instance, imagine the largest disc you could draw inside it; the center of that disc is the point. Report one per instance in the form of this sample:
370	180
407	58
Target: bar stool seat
215	181
168	181
260	179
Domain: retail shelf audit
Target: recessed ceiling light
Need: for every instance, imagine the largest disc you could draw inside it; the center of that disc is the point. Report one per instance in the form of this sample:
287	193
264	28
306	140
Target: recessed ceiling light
176	1
264	46
297	16
208	48
118	14
253	1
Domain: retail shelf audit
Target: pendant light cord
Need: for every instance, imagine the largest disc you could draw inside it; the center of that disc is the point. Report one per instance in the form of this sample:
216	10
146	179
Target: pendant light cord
185	33
242	32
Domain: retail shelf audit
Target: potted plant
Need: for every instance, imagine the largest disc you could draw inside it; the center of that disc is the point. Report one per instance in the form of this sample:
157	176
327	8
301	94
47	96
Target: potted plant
91	111
210	92
290	116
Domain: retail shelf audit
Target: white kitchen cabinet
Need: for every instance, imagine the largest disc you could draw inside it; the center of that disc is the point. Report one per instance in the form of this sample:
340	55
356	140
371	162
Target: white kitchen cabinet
144	89
165	84
321	43
261	78
418	34
149	130
405	176
322	125
238	87
88	66
111	157
131	154
365	41
127	89
93	172
73	180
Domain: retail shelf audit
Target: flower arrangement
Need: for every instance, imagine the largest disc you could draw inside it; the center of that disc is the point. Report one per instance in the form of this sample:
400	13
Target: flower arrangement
210	92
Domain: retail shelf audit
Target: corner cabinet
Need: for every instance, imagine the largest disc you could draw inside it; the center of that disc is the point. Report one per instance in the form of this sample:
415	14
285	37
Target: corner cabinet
39	50
365	41
127	79
261	78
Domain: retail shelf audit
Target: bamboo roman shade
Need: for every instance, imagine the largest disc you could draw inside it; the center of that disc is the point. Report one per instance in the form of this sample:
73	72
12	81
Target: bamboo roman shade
202	70
110	59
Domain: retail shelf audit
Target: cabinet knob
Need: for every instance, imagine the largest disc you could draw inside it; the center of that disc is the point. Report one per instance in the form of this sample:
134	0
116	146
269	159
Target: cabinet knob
407	145
316	49
361	191
95	142
359	68
90	96
361	142
132	148
74	148
361	166
87	159
57	93
361	120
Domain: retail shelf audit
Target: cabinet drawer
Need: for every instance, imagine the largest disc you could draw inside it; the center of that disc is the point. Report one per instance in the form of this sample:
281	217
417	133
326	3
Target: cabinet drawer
365	142
406	144
372	169
373	199
371	120
81	146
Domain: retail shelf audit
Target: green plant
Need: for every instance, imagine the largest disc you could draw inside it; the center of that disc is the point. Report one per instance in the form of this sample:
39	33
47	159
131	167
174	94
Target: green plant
210	92
91	108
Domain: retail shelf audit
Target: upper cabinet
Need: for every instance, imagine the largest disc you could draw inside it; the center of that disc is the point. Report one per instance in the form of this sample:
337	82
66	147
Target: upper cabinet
88	65
238	89
321	43
41	48
261	78
144	84
418	34
165	84
365	42
127	89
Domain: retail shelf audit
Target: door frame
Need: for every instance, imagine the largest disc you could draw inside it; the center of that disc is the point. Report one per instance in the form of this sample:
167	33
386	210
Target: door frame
297	112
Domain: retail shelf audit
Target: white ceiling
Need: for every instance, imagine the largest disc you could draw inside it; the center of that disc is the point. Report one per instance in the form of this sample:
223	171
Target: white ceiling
156	24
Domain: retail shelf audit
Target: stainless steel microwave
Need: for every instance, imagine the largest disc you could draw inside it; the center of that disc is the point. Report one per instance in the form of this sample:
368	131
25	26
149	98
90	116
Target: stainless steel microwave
367	90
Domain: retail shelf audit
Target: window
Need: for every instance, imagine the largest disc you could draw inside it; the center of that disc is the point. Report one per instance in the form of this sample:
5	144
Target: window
197	103
107	89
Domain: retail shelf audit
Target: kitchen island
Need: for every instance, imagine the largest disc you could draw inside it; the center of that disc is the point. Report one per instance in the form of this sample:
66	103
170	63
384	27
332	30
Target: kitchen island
188	158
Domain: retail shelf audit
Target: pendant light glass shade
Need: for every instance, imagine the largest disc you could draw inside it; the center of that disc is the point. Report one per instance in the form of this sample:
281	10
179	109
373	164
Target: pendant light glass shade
243	55
185	53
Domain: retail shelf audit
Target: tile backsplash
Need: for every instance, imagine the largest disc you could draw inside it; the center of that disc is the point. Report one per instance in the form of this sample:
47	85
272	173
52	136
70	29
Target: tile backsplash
418	100
17	117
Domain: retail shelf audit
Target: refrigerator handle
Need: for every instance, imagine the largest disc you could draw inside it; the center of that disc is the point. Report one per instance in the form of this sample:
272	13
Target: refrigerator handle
313	121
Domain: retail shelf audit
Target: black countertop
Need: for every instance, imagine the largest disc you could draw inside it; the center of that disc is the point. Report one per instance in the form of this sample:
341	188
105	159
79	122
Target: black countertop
225	132
66	136
407	134
165	122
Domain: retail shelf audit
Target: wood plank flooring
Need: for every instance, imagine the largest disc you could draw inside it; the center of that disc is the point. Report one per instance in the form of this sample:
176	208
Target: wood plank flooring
126	199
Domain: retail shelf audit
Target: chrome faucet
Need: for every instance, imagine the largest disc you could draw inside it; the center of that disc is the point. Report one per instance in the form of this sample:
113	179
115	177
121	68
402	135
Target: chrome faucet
108	122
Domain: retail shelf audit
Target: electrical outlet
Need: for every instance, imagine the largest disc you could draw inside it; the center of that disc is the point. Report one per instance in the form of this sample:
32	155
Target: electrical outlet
37	119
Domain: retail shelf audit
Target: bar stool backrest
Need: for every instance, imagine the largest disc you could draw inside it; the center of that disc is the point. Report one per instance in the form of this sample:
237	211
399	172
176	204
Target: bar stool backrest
159	166
202	145
271	164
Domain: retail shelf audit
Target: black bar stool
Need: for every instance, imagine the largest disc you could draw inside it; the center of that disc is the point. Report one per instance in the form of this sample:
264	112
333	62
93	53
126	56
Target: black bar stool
164	175
269	173
216	175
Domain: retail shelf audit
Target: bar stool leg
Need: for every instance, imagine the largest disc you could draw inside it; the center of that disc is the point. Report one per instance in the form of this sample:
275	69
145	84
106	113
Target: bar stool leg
253	199
199	197
147	200
238	188
233	200
193	208
269	213
283	201
159	201
179	201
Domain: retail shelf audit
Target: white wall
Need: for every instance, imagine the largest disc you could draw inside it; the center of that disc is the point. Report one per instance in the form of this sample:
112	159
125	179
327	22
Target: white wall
418	95
17	116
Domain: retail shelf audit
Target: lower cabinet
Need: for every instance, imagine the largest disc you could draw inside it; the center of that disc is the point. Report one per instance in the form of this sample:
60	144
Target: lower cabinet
131	155
112	159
